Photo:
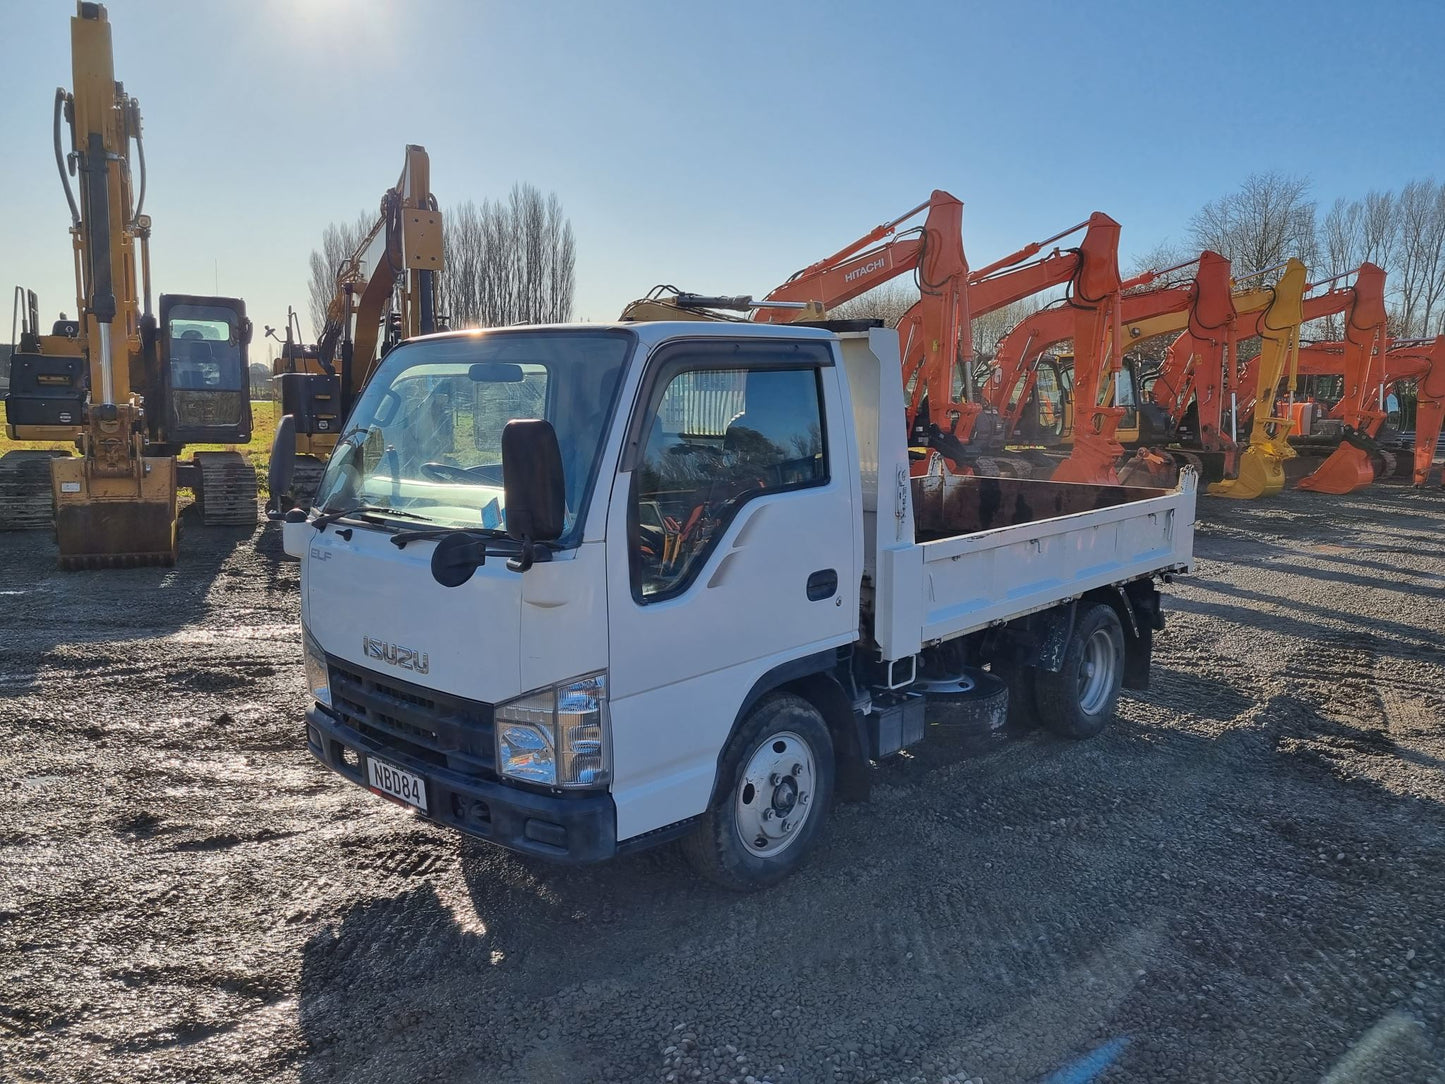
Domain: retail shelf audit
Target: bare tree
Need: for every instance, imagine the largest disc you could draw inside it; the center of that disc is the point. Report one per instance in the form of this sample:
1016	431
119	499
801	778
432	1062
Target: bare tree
1165	254
990	328
510	262
337	243
887	302
1268	220
1421	256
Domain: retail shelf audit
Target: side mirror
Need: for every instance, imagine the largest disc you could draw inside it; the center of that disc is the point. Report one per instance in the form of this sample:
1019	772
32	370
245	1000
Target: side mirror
532	481
283	461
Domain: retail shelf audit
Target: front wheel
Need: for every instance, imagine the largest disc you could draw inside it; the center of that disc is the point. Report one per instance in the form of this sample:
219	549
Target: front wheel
777	785
1078	701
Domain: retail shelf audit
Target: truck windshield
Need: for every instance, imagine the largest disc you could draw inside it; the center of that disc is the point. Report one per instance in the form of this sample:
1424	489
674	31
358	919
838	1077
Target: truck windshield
425	438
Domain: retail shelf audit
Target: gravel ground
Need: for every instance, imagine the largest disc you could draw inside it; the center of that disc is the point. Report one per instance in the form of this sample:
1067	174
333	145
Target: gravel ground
1241	880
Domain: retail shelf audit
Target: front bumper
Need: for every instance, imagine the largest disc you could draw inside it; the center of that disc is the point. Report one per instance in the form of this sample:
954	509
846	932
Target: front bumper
572	828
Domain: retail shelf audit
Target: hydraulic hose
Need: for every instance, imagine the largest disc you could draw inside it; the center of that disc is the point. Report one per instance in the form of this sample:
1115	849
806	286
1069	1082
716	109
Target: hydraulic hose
60	99
140	152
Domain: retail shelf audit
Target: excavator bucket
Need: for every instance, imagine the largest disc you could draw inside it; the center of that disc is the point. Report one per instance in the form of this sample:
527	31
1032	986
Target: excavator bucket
1261	474
115	522
1090	471
1347	469
1151	469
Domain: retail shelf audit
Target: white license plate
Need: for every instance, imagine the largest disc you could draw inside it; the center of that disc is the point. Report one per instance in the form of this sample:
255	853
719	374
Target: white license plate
393	782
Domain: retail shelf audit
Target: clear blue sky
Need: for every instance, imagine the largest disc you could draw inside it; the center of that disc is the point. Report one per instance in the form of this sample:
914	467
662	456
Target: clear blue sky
715	147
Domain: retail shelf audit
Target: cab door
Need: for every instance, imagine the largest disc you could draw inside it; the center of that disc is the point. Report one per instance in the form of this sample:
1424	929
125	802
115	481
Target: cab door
732	548
204	373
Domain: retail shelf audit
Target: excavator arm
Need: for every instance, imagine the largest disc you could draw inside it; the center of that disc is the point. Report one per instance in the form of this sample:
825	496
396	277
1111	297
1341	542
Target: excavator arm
1092	269
386	288
1349	467
1420	360
1261	467
1363	302
1426	362
386	291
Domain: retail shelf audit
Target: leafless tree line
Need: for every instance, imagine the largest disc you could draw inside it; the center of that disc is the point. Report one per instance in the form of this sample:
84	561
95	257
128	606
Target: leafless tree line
1271	217
337	243
1403	232
509	261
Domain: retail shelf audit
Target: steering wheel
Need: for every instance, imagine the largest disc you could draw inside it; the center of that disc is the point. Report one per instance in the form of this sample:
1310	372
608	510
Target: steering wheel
708	455
445	472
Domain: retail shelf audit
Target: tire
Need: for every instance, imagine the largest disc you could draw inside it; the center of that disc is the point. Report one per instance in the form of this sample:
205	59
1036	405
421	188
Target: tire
977	717
776	767
1079	700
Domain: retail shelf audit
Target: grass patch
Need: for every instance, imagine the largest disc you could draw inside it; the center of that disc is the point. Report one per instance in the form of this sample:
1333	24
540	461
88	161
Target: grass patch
257	453
263	431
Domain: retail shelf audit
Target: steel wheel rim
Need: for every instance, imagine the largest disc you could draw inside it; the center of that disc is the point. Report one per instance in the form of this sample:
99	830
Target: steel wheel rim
1096	672
775	796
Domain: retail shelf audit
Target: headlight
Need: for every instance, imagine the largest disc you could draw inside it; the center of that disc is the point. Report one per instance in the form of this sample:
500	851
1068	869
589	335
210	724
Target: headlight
316	676
558	736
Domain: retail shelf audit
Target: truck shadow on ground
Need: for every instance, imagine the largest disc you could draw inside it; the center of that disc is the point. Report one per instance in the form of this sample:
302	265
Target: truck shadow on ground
999	915
48	608
1389	638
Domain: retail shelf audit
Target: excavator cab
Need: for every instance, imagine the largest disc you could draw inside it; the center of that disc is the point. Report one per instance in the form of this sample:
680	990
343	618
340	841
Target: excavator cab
204	376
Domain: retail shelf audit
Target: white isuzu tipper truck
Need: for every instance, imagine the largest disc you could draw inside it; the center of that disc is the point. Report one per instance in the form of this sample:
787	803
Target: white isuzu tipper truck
580	590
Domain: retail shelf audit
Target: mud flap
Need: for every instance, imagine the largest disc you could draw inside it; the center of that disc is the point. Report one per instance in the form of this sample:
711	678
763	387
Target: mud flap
115	522
1347	469
1261	474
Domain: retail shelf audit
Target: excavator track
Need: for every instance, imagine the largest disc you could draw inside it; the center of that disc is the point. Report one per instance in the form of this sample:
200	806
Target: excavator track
306	479
85	561
226	489
26	502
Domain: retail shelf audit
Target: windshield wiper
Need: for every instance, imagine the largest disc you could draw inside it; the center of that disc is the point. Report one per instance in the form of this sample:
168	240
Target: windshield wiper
368	512
428	534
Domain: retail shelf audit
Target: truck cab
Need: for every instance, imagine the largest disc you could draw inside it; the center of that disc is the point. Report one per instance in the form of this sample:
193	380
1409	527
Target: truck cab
579	590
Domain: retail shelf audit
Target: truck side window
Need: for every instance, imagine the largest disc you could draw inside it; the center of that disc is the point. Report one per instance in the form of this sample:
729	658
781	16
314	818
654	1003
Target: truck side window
718	438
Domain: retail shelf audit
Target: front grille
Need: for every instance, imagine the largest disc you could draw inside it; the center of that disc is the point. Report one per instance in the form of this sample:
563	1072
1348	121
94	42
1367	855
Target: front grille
423	724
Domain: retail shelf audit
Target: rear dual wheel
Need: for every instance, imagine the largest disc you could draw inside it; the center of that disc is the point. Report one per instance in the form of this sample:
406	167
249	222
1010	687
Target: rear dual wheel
1079	700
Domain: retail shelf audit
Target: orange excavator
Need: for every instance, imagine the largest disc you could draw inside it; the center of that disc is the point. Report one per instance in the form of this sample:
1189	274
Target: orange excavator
935	334
1350	467
1203	307
1420	360
1362	302
937	331
1091	274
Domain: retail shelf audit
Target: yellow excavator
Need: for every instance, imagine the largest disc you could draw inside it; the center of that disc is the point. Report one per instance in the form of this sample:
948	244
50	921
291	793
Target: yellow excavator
386	290
129	387
1261	466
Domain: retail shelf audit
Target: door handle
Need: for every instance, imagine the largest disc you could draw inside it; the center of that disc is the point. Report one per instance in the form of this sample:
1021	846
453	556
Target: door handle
822	584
